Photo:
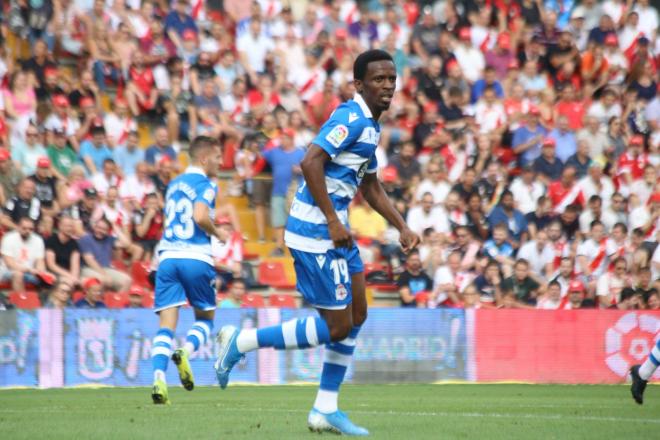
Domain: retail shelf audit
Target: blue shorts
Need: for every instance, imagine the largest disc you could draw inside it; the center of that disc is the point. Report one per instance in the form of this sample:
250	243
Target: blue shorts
324	280
178	279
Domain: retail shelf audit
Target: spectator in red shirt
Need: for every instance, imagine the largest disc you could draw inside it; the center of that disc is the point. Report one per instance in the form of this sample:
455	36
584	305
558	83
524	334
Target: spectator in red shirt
631	163
574	109
322	104
140	91
148	225
565	191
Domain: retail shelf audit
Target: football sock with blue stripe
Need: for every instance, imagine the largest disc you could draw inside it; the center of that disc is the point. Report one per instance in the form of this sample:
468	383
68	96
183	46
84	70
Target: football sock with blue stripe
161	350
295	334
336	359
198	335
652	362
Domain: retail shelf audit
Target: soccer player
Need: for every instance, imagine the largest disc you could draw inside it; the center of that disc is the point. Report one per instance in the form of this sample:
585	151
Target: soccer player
186	265
640	374
329	272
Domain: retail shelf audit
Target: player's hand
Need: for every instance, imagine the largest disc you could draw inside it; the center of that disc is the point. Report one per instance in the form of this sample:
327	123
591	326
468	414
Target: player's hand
409	240
339	235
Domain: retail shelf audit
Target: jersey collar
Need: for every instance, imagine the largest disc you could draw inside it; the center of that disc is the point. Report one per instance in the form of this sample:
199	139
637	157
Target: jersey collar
195	170
363	106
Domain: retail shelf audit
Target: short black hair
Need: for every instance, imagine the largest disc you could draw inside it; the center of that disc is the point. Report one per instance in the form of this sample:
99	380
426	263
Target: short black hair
201	143
363	60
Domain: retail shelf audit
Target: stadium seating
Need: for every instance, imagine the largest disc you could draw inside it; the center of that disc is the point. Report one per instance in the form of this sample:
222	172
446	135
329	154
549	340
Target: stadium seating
148	300
251	300
282	301
25	300
272	274
140	274
116	300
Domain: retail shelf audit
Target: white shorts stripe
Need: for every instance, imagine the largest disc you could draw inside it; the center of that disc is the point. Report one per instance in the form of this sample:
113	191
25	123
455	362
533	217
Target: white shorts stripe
289	333
161	350
332	357
199	335
310	332
161	338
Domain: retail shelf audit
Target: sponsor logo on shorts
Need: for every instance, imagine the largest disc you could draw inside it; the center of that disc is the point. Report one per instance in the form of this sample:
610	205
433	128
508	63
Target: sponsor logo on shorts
337	135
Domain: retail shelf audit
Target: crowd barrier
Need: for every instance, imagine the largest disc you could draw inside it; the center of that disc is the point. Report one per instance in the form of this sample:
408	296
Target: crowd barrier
55	348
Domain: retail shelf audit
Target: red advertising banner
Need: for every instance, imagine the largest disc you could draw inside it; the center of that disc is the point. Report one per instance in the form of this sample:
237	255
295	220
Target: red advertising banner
565	346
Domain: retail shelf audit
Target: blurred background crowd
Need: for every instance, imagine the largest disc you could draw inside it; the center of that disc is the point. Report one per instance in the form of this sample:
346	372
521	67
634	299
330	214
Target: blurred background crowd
522	145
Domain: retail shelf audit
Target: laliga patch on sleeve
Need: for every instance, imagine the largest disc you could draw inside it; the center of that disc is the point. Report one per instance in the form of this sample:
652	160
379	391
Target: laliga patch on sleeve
337	135
209	195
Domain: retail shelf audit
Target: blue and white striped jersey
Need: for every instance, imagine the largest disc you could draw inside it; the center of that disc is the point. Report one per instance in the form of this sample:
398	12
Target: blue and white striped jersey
182	237
350	137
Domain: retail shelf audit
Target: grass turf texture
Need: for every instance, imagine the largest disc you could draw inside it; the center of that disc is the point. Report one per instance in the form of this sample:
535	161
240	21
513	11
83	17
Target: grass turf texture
388	411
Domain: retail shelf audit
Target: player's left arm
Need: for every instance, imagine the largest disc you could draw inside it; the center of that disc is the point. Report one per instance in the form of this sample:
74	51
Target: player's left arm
202	211
375	195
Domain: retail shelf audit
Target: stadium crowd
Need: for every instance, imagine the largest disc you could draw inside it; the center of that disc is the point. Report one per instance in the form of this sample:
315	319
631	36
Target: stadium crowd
522	144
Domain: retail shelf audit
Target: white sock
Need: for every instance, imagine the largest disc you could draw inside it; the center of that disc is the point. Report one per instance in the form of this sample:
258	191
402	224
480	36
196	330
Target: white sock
247	340
189	347
647	369
159	375
326	401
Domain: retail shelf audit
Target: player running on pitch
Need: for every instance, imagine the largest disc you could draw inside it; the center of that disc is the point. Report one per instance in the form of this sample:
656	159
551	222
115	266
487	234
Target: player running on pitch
640	374
186	268
330	275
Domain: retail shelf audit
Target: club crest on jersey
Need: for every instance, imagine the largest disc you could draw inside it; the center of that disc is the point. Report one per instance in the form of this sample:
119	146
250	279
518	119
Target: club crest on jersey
337	135
340	292
209	195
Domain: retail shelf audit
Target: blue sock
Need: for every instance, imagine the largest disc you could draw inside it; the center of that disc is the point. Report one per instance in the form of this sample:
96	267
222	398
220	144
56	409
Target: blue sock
161	350
336	359
294	334
198	335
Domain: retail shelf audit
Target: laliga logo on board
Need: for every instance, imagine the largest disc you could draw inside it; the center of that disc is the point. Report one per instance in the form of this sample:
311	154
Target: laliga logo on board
629	342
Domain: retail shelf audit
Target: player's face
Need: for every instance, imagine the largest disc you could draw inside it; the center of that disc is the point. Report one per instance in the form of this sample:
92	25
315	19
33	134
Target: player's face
377	88
212	161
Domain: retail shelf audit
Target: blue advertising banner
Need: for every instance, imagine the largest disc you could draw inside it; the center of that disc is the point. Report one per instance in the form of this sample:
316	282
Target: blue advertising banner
113	347
394	345
19	348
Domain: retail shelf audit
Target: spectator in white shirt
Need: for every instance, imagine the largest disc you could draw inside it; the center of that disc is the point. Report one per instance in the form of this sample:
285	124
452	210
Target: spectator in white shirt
595	212
253	48
426	215
526	190
539	254
435	183
23	256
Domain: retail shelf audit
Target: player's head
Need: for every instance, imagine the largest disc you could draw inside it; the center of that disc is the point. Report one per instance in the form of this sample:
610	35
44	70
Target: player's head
374	77
205	153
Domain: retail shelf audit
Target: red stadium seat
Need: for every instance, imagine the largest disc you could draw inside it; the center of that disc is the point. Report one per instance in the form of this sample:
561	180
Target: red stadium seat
118	265
25	300
140	273
373	267
251	300
281	301
271	273
116	300
148	300
219	297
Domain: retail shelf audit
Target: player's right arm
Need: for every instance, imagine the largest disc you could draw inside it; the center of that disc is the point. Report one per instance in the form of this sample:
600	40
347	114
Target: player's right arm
203	219
313	169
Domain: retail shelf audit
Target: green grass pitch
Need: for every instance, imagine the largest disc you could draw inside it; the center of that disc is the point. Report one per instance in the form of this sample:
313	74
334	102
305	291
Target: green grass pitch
280	412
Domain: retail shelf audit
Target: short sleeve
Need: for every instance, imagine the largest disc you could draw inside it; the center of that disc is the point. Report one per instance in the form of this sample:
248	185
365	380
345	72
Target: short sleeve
206	194
373	164
339	132
84	245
